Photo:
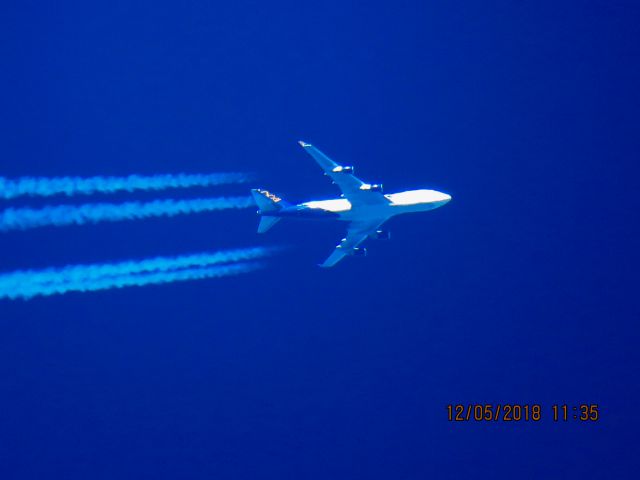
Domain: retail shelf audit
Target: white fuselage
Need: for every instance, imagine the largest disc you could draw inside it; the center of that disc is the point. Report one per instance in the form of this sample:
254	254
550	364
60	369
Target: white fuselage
402	202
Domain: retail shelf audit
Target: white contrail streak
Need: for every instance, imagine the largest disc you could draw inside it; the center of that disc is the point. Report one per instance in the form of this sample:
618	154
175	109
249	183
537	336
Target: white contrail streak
24	280
134	280
45	187
25	218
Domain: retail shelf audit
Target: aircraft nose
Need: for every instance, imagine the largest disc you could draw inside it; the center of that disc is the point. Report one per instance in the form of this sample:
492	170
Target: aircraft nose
445	198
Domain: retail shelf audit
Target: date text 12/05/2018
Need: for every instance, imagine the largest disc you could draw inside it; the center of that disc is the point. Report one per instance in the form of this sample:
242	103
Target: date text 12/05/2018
513	412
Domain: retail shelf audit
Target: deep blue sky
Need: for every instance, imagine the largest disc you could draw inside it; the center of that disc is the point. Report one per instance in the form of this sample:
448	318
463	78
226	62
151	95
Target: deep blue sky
523	289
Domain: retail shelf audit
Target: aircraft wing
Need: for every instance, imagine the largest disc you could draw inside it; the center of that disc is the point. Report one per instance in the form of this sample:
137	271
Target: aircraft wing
353	189
357	233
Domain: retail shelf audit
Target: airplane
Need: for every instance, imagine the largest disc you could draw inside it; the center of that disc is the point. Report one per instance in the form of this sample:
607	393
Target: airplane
362	205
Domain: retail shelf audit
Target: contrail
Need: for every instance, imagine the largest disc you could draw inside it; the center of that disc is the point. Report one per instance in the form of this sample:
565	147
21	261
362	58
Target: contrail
23	280
138	280
45	187
25	218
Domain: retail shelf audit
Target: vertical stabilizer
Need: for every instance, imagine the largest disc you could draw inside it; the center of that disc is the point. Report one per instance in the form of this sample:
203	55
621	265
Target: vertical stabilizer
267	203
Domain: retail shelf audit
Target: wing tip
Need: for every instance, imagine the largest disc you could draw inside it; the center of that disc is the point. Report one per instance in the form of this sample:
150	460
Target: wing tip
303	144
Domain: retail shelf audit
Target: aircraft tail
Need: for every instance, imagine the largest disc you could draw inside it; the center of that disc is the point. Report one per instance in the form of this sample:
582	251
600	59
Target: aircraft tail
267	203
266	222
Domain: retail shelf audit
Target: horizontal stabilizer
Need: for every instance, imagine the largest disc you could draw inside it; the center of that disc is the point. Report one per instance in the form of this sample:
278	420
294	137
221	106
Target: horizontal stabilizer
266	222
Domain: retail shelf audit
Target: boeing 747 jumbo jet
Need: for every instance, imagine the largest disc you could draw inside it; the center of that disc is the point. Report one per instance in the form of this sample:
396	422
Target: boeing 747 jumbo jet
361	204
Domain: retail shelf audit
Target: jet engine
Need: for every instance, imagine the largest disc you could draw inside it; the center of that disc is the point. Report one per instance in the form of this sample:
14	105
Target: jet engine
374	187
381	235
344	169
